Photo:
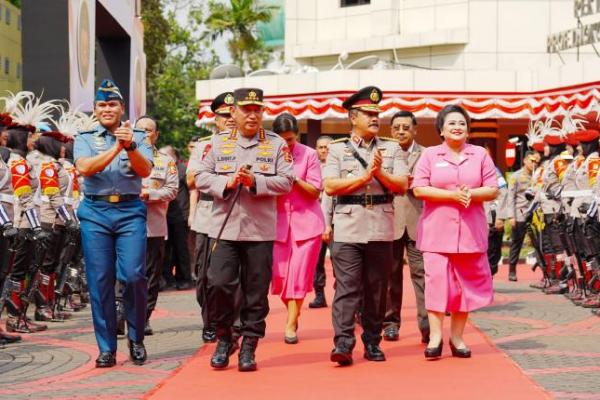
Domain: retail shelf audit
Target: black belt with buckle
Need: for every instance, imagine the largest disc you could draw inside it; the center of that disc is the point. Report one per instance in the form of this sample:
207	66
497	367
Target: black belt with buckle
366	200
205	197
113	198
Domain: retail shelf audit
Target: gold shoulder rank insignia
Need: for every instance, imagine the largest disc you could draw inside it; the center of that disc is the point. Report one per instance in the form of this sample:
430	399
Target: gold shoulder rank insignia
342	140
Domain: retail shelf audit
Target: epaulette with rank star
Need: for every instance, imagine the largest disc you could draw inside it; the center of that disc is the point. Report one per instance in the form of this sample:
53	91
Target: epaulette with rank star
342	140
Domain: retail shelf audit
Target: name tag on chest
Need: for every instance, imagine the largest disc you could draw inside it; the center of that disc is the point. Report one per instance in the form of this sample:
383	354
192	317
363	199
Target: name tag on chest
442	164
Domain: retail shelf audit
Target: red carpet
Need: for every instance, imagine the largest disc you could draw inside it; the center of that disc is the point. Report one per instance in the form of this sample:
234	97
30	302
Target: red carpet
303	371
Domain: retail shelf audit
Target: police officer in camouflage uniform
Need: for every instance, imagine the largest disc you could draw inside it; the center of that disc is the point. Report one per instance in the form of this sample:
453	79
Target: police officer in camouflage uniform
363	172
244	170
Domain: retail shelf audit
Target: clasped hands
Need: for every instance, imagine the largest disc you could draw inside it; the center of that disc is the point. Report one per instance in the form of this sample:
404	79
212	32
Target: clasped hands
124	135
462	195
243	176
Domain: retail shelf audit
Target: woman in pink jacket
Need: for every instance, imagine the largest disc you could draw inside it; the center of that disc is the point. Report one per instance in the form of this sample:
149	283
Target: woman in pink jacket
454	179
300	224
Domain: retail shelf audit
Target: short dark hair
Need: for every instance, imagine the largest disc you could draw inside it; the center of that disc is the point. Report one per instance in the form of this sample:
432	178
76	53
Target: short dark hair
285	123
194	138
451	108
404	114
529	153
147	117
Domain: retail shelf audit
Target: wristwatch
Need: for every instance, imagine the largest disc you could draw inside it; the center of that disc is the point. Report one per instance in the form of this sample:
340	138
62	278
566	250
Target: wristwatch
132	146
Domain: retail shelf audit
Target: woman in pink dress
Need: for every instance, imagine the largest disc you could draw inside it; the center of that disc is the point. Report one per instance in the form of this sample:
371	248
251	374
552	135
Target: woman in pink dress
454	179
300	225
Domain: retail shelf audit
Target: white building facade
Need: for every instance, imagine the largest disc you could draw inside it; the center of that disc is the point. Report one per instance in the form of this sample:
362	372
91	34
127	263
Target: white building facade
506	61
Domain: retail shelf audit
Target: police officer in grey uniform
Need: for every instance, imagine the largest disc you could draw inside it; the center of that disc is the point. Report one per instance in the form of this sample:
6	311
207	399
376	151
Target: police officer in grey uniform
158	190
407	211
244	171
363	172
201	206
517	205
496	213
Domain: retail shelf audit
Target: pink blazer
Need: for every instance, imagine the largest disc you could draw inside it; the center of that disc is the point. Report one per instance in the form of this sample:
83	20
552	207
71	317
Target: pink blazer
448	227
295	210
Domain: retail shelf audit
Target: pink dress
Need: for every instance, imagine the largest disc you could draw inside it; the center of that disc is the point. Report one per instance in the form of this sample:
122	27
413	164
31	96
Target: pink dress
453	238
300	224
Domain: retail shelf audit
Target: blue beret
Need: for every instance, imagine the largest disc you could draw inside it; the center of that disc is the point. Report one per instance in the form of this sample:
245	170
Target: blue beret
108	91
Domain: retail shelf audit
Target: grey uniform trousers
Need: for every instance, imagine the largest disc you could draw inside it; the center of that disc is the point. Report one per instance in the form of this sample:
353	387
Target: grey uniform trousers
361	273
395	289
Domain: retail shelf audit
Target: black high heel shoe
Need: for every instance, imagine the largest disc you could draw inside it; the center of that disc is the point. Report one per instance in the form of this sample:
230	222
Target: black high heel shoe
460	353
434	352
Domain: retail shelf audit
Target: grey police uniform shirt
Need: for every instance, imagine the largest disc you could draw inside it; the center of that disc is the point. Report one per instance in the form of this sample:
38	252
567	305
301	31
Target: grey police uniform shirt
326	203
118	177
162	186
202	214
254	215
518	183
356	223
7	198
408	208
500	204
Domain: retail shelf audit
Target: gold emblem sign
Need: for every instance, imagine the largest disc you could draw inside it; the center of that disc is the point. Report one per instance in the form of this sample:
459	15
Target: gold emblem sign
252	96
228	99
374	96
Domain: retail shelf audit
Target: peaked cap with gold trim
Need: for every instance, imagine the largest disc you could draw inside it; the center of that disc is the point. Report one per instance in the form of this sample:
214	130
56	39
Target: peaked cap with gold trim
221	103
366	99
247	96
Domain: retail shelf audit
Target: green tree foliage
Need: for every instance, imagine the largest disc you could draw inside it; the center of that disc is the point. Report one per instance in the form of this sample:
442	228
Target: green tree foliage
16	3
181	58
238	19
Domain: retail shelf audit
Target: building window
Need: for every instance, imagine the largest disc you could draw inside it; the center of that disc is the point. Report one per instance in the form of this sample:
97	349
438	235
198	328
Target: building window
19	70
7	16
6	66
350	3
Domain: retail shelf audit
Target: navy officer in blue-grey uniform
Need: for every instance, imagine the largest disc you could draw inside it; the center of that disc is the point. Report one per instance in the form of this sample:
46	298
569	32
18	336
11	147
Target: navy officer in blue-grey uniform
113	159
363	172
256	165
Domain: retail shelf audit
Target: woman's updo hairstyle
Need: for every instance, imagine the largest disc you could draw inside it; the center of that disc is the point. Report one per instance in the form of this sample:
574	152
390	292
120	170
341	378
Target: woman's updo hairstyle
285	123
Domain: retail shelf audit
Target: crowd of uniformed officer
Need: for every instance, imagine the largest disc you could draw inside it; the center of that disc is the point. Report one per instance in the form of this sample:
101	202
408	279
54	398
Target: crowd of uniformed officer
234	177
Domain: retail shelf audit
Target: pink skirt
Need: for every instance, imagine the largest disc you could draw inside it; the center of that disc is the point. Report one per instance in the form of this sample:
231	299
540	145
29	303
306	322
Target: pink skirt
457	281
294	264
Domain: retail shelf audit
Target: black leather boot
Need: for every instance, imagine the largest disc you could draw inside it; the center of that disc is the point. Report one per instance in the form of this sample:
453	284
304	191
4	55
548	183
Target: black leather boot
246	357
220	358
319	301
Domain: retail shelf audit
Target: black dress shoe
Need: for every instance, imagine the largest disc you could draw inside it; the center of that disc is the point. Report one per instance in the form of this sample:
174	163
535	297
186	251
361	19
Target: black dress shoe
220	358
319	301
7	339
209	335
148	331
246	360
106	359
434	352
137	352
391	334
290	339
185	285
373	353
460	353
341	355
